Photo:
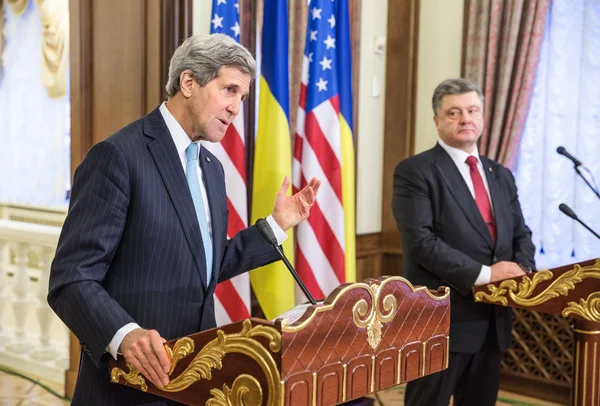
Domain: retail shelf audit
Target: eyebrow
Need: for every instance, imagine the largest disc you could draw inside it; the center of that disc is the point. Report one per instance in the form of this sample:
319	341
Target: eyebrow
468	107
237	87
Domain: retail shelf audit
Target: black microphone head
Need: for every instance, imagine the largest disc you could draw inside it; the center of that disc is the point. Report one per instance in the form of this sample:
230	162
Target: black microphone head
266	231
560	150
567	210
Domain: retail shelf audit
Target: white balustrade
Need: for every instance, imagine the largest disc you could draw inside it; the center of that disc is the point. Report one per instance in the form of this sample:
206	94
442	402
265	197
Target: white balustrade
32	338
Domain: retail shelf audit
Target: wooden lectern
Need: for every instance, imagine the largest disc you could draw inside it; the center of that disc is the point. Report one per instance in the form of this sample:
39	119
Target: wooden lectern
363	338
570	291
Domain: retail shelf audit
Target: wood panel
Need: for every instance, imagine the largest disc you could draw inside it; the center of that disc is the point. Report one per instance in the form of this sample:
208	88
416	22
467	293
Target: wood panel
118	65
373	259
400	99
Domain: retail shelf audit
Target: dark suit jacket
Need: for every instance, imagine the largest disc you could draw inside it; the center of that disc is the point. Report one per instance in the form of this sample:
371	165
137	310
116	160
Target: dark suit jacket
445	240
131	251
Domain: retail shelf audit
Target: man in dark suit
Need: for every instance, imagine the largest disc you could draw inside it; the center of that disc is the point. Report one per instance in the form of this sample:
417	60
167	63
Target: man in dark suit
461	225
145	240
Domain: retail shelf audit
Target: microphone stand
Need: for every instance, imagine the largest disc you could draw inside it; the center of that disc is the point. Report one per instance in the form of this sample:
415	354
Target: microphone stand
586	226
576	167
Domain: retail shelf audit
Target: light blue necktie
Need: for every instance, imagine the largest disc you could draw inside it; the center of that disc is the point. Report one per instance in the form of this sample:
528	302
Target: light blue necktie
191	174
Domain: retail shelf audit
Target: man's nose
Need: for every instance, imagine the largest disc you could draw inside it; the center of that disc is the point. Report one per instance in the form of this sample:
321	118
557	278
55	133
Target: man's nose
234	107
465	117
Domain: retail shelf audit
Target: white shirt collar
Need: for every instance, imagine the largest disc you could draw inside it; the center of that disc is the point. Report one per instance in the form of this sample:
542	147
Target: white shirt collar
181	139
458	155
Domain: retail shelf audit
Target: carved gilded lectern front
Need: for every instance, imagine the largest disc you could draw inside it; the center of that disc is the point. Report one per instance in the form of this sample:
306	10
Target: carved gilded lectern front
570	291
363	338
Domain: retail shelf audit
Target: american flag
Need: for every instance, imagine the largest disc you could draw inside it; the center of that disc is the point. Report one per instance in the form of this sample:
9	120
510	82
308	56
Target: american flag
324	118
233	296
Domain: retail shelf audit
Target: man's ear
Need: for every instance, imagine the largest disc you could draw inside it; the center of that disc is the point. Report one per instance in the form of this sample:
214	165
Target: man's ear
186	83
435	120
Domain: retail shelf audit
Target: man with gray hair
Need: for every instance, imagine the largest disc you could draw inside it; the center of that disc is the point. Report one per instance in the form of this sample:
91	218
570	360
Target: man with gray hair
145	241
461	225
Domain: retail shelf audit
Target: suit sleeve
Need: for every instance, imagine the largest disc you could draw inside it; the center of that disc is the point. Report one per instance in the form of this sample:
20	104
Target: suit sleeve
87	244
412	208
247	250
523	247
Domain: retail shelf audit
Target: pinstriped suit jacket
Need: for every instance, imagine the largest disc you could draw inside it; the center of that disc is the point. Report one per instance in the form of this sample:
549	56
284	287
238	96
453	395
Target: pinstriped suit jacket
131	251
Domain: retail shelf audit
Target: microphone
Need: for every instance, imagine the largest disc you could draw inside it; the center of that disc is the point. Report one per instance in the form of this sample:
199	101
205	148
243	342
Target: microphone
267	233
569	212
577	163
561	150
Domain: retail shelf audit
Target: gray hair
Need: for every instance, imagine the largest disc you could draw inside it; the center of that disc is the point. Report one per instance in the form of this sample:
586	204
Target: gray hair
453	86
204	55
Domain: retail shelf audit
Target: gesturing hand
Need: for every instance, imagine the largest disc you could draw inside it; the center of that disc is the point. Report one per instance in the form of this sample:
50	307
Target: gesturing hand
289	211
144	350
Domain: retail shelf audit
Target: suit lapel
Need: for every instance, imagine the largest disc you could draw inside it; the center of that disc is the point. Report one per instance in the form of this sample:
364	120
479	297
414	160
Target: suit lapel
461	193
163	151
213	183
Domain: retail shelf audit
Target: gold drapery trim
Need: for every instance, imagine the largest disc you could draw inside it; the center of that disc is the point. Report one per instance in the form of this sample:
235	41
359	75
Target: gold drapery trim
18	6
54	15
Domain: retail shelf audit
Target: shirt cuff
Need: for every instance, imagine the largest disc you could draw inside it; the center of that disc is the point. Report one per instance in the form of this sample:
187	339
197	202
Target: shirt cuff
279	233
115	343
485	275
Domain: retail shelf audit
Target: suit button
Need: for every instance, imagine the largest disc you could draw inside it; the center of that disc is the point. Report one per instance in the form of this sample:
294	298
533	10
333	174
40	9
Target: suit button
494	259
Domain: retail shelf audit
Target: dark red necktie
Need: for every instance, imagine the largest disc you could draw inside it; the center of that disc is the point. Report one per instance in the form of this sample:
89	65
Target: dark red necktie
481	196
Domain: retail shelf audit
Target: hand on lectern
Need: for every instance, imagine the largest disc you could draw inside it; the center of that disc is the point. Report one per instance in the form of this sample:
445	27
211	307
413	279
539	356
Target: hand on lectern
145	351
505	270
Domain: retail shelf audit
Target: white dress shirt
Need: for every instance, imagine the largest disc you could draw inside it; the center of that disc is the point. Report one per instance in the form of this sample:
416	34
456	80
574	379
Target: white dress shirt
459	157
182	141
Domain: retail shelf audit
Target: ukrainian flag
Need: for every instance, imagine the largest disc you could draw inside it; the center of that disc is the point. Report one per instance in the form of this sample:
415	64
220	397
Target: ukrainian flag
344	76
273	285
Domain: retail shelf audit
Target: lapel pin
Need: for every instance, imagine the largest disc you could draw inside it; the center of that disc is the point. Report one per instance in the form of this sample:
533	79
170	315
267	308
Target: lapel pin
489	168
207	159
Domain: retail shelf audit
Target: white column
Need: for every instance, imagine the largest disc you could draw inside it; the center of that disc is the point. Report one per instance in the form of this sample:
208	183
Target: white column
21	302
44	312
4	290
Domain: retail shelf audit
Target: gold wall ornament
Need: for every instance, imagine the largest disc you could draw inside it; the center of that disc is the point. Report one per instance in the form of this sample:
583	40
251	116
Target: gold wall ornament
211	356
18	6
588	308
520	293
245	391
54	15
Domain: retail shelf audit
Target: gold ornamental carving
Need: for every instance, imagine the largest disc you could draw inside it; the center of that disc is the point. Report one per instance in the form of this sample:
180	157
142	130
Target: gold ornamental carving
364	314
521	293
374	319
588	308
245	391
211	357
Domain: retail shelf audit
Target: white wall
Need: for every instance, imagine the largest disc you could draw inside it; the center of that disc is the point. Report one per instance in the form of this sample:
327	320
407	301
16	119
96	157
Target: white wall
201	14
440	53
371	106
